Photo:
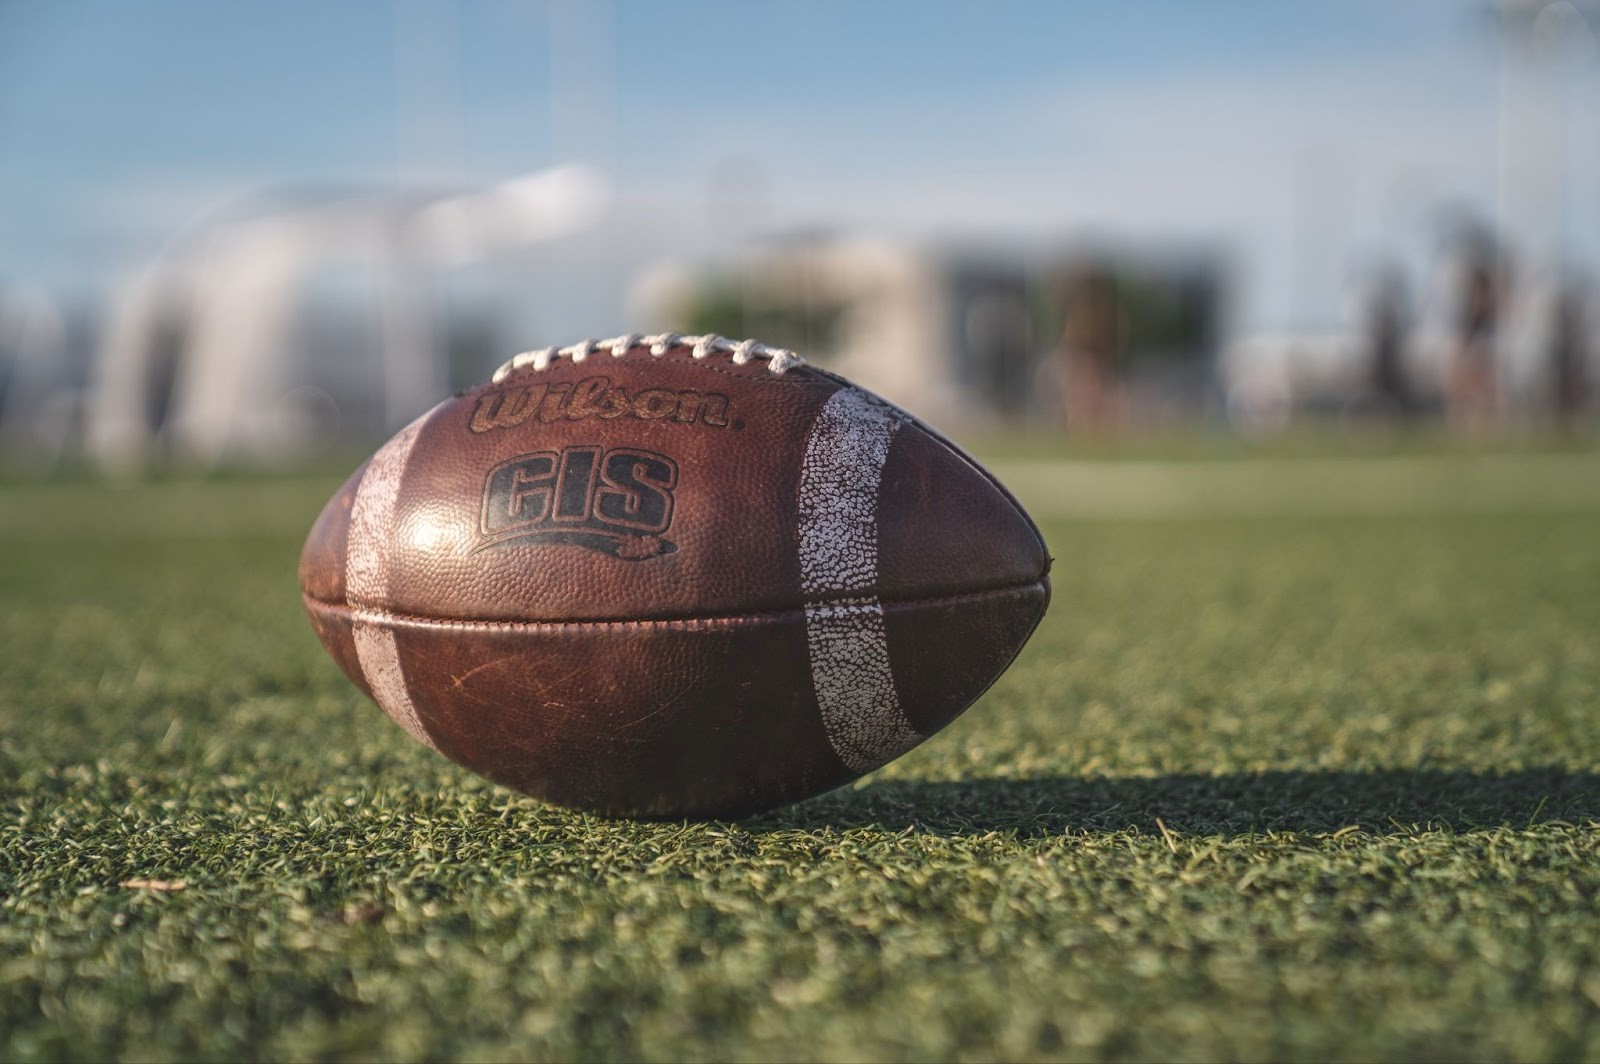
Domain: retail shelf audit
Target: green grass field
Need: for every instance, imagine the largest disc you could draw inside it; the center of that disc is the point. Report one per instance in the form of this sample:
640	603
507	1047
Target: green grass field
1302	764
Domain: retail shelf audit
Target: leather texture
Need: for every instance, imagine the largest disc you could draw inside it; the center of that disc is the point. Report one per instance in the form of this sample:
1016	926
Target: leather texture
591	583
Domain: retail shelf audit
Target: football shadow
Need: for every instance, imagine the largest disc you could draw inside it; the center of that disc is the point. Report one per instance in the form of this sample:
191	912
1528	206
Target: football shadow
1384	801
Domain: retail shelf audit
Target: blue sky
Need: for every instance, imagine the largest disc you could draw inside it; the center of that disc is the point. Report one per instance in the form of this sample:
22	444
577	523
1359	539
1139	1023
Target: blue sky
1303	139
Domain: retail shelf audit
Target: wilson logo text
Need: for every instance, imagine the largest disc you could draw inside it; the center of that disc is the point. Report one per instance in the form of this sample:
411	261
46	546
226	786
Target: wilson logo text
596	397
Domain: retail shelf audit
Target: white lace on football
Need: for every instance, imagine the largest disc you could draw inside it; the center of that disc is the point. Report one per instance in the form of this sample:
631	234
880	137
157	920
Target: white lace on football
779	360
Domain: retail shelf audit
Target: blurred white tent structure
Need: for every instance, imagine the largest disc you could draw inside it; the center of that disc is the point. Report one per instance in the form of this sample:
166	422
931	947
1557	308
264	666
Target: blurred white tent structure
204	356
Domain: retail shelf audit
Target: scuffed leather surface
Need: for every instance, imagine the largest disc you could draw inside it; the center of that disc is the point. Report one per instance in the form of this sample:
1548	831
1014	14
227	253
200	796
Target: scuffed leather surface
947	652
734	512
322	558
669	719
945	529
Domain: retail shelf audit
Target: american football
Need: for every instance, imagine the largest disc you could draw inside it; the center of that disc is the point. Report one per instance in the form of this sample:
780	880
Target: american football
672	576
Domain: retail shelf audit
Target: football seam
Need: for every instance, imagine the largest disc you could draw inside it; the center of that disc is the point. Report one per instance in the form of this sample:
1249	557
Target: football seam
727	620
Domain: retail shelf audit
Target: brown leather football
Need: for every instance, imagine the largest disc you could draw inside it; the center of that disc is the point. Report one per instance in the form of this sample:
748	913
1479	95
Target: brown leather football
669	576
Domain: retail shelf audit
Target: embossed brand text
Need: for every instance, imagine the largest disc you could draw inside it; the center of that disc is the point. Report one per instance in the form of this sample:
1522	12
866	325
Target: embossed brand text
617	502
595	397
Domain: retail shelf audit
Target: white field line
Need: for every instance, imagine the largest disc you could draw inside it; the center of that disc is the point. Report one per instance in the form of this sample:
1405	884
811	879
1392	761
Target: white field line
171	510
1304	487
1050	489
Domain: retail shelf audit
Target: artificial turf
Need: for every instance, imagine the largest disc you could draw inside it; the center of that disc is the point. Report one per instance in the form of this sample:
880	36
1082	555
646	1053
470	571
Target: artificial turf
1274	785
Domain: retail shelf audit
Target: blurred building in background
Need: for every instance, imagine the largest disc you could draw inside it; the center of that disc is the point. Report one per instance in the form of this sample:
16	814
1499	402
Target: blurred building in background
975	333
47	353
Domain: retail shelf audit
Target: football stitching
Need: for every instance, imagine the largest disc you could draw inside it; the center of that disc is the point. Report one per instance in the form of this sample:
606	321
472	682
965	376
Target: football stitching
779	360
730	620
